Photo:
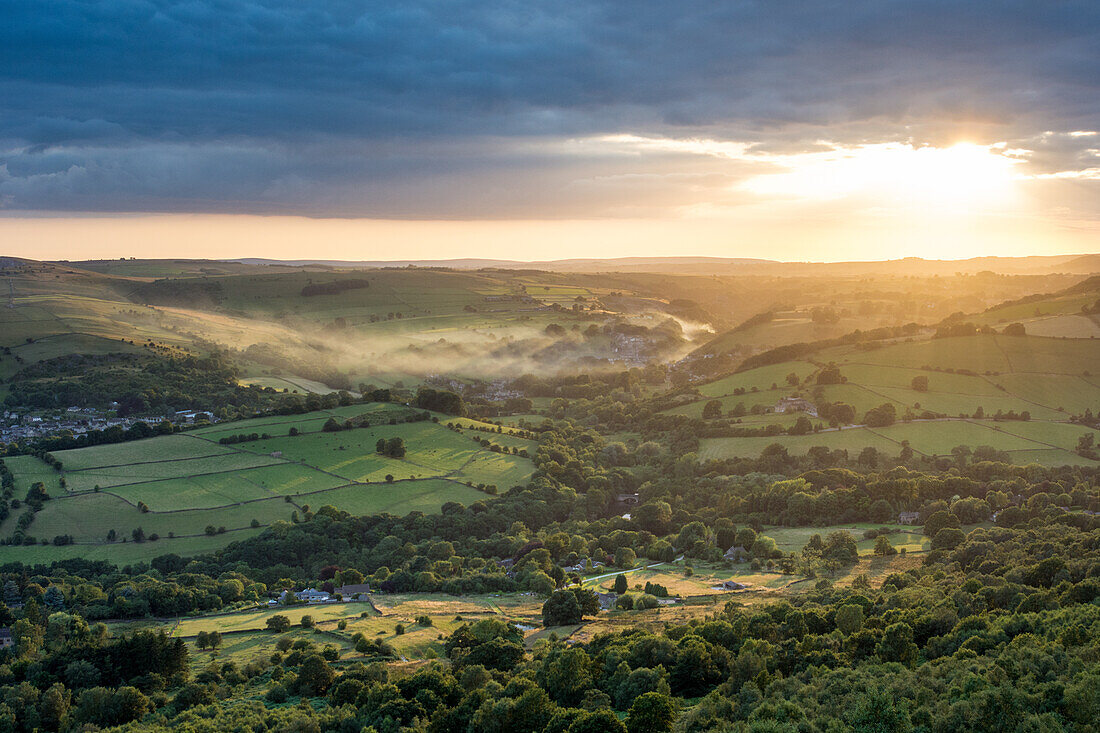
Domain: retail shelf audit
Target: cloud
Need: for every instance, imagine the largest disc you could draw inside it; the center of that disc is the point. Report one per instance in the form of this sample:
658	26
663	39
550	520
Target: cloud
454	108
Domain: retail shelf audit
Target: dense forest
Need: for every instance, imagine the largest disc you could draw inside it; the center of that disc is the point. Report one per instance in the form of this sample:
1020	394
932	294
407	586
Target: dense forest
139	384
995	628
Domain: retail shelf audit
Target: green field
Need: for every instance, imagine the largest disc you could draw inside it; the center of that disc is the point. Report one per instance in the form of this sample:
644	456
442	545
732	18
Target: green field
245	636
400	497
1039	442
163	448
235	487
1048	378
177	486
793	539
142	471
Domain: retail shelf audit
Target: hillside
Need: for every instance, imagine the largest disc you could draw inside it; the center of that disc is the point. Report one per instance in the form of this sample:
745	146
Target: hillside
1070	313
190	492
945	392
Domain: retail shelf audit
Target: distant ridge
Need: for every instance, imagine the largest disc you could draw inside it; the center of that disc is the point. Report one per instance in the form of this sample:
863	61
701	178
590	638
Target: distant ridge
1075	263
478	264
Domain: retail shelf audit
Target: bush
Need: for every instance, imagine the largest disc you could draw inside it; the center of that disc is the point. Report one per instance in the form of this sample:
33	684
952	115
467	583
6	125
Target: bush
278	623
277	694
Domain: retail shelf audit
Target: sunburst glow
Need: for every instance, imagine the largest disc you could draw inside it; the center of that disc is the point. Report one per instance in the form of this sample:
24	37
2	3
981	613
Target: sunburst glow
961	176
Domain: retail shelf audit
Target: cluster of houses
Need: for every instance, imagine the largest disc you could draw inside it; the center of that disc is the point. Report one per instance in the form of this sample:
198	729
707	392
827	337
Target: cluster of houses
79	420
15	426
582	567
629	349
795	404
354	592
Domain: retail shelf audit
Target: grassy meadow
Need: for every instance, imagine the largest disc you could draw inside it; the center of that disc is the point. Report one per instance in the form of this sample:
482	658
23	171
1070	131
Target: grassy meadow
1048	378
194	494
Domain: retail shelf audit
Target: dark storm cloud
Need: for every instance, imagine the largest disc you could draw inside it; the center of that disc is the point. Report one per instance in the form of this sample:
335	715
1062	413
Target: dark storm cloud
354	107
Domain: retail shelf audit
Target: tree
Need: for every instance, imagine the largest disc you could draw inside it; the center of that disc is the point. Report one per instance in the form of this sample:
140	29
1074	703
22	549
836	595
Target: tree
561	609
278	623
840	547
566	674
948	538
829	375
883	547
897	644
849	618
939	520
600	721
625	557
1015	329
54	599
620	584
746	536
882	416
802	426
81	674
440	400
653	516
877	710
651	712
764	547
315	676
842	413
11	593
920	383
53	708
712	409
880	511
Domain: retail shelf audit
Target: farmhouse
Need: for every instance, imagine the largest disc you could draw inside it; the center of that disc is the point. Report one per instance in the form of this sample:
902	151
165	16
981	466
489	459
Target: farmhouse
908	517
733	585
796	404
6	639
607	600
309	595
737	553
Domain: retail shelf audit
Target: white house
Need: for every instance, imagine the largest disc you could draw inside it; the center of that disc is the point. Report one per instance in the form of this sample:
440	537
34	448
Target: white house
309	595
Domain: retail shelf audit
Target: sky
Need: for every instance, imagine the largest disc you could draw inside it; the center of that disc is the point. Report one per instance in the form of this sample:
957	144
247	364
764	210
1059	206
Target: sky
825	130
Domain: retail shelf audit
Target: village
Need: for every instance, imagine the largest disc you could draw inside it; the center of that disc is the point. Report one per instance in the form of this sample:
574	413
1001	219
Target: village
16	426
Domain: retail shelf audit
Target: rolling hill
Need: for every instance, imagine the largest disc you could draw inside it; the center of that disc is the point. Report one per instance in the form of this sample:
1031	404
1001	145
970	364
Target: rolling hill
193	491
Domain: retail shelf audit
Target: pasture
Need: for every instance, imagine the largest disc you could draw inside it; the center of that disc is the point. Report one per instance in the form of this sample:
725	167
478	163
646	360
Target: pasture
1047	378
1025	442
245	636
184	486
793	539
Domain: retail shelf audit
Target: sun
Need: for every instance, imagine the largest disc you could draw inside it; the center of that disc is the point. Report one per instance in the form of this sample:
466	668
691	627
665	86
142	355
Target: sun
964	176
